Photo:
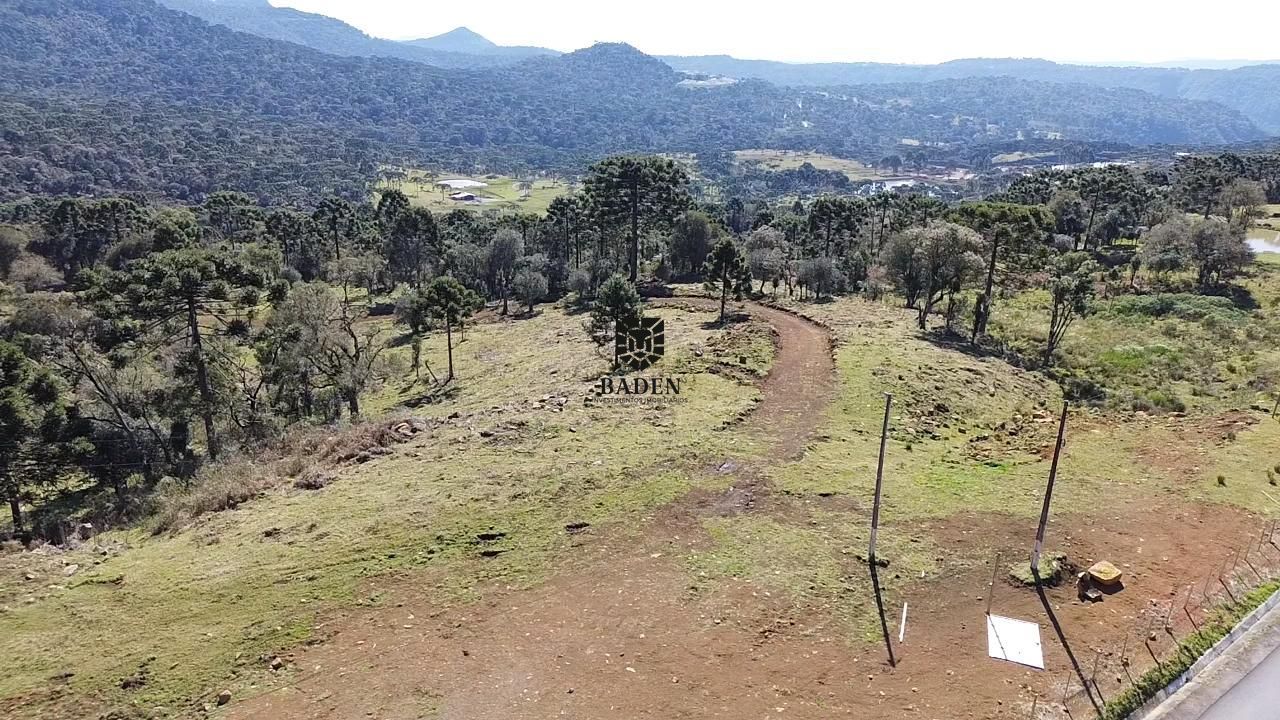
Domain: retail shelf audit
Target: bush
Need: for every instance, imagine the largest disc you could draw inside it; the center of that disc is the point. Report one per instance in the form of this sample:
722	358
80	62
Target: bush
1184	306
217	487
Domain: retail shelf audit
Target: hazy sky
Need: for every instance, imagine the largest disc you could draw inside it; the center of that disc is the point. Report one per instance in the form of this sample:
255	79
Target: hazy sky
916	31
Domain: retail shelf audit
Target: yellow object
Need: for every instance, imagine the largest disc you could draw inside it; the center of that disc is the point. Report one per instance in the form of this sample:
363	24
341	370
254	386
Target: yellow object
1104	573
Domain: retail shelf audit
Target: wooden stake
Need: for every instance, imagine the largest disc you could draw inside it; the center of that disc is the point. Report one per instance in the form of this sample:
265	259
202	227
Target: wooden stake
875	508
991	590
1048	495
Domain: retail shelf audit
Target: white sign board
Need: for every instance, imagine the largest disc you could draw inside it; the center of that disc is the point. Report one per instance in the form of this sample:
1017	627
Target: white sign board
1014	640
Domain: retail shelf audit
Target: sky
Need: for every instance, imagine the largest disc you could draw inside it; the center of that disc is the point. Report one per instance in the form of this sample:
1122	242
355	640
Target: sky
919	31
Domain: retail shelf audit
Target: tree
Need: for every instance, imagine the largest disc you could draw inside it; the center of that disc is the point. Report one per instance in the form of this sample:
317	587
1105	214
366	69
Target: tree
1070	290
449	302
902	266
1219	251
692	237
1070	214
32	414
819	275
636	192
1166	248
12	243
185	289
727	273
413	246
316	340
832	217
1242	201
766	265
565	213
616	302
505	251
232	215
1014	237
945	260
337	219
1200	180
299	241
530	287
391	205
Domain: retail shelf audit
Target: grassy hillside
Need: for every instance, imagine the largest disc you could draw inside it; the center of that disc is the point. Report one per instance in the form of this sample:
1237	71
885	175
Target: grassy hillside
490	500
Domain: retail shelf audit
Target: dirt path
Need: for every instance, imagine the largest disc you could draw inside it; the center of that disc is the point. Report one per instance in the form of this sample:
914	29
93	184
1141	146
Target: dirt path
613	634
616	633
801	381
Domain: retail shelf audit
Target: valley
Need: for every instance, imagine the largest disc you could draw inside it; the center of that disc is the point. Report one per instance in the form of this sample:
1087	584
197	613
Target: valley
349	377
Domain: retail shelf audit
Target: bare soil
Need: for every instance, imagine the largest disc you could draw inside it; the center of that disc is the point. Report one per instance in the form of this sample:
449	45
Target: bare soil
617	632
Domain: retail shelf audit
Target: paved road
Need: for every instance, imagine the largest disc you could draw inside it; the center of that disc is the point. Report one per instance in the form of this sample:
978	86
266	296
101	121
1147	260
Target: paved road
1242	684
1256	697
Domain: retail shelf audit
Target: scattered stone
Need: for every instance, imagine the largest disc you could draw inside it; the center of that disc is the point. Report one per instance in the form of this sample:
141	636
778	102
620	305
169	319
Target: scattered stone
576	527
70	570
224	697
277	663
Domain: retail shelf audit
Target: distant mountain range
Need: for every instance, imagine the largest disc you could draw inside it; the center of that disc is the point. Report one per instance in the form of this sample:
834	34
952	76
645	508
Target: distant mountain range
110	95
458	49
468	42
1254	90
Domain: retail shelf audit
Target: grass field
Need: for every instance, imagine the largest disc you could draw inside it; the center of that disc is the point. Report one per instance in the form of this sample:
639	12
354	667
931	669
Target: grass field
790	160
470	520
501	192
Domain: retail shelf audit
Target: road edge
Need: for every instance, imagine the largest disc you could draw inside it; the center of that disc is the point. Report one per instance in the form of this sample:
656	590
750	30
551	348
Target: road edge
1219	648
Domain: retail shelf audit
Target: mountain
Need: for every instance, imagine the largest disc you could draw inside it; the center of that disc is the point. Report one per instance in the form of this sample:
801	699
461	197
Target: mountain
466	41
112	95
1253	90
259	17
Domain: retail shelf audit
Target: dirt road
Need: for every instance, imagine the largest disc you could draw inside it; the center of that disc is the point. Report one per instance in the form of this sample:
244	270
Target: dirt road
613	635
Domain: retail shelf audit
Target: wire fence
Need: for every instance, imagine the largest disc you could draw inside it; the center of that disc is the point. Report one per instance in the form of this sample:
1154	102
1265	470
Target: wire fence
1160	628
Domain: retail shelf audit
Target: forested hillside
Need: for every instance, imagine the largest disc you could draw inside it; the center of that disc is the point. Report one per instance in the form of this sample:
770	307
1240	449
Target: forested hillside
199	107
1251	90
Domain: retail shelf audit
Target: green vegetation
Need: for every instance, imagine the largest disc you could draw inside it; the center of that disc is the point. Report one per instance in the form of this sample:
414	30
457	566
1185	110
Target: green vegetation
499	192
777	160
1189	650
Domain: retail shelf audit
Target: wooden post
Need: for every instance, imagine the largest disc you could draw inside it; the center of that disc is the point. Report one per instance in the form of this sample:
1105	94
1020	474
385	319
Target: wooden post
1048	495
875	508
991	590
875	531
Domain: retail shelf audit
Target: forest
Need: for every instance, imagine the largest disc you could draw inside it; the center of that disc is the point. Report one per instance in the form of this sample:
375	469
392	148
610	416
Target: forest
102	97
143	339
292	428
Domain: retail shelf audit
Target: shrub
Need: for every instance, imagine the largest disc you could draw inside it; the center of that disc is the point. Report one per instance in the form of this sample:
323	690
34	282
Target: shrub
220	486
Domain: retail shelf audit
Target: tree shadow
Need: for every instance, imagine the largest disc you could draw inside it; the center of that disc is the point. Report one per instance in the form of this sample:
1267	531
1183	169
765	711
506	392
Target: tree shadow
1062	638
1240	296
730	318
884	623
434	395
950	340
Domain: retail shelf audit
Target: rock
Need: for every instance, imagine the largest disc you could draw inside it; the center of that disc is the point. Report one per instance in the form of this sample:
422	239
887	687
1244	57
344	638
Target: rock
277	663
224	697
84	531
1104	573
70	570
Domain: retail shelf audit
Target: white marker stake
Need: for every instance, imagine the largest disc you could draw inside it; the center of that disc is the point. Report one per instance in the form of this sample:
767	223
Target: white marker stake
902	626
